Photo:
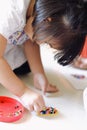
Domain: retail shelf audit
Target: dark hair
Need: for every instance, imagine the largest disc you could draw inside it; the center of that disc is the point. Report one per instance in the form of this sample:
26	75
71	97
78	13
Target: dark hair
65	22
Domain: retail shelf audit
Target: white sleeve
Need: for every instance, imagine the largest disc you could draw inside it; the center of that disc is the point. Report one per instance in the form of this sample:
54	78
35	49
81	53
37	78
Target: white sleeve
6	19
12	16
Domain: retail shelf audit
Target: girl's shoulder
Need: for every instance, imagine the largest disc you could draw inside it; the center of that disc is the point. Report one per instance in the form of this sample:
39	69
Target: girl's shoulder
12	16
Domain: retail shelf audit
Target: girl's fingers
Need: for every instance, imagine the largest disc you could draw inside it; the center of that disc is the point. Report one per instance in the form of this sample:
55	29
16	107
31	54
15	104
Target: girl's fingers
30	108
52	89
38	106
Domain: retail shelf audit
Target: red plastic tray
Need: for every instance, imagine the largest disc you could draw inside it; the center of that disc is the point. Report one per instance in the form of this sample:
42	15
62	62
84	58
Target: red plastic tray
10	109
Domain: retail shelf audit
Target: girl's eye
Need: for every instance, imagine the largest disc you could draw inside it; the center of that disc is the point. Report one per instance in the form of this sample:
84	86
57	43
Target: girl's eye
55	46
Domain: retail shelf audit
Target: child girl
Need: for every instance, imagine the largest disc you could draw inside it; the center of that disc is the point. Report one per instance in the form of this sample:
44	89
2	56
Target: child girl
24	25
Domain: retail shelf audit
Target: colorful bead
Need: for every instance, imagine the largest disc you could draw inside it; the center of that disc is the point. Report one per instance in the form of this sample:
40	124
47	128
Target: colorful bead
48	110
78	76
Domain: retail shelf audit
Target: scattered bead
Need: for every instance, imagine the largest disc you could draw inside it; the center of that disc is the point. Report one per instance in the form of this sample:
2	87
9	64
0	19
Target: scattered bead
78	76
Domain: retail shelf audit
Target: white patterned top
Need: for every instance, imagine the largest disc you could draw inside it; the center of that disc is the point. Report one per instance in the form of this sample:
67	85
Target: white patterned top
13	19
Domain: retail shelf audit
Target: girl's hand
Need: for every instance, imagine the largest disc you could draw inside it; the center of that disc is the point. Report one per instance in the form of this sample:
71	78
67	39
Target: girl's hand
41	82
32	101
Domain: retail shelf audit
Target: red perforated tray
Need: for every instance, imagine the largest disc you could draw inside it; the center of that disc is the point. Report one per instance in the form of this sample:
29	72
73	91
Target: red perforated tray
10	109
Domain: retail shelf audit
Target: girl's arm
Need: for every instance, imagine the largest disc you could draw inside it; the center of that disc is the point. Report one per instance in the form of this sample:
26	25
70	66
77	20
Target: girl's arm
11	82
7	77
32	51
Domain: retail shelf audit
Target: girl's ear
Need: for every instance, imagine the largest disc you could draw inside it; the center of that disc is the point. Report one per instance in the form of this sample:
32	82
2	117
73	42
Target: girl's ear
48	19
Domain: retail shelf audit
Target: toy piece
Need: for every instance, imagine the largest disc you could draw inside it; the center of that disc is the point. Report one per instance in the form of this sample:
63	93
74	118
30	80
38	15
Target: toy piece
49	111
10	109
78	76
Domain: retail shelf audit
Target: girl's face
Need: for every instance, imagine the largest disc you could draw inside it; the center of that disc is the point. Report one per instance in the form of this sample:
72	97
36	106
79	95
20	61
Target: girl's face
52	43
29	30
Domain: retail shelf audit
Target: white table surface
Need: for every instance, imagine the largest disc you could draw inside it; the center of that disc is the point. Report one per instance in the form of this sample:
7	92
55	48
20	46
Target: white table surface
68	101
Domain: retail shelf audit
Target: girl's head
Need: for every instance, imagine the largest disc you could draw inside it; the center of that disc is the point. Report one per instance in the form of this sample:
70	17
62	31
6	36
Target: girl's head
63	25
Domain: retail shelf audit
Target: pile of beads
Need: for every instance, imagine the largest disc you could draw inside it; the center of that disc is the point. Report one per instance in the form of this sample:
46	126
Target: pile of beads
48	111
